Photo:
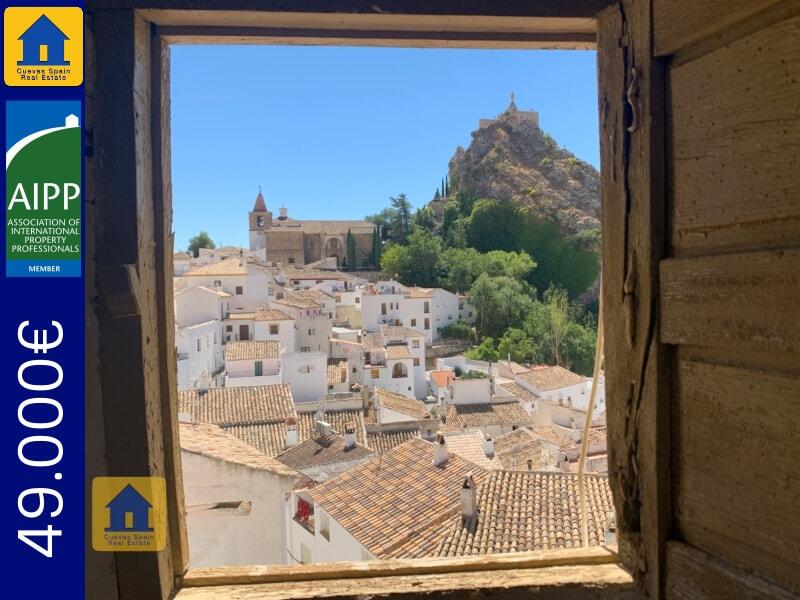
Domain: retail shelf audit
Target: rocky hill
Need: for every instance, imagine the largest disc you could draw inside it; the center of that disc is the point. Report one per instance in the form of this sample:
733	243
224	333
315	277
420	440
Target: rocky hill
510	157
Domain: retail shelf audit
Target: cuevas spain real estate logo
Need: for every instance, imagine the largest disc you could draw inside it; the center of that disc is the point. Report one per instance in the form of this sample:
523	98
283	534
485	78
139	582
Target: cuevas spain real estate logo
43	46
129	514
43	189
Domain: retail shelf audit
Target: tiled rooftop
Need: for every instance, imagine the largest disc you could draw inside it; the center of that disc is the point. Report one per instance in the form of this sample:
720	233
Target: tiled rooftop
271	314
238	405
322	450
515	448
546	378
383	441
211	441
337	370
397	352
442	378
397	331
226	266
392	504
338	419
519	392
462	416
528	510
269	438
402	404
470	446
252	350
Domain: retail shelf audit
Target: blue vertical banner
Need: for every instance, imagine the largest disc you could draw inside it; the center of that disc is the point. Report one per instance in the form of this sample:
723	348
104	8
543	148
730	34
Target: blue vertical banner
42	328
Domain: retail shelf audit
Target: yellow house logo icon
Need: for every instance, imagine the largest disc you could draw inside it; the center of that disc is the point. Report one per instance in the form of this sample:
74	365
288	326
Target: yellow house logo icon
43	46
129	514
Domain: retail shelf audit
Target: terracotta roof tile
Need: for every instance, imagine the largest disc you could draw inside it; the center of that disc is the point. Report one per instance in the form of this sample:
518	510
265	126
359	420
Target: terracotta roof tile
226	266
527	510
546	378
389	504
337	370
211	441
443	378
383	441
238	405
463	416
396	331
518	391
402	404
398	352
269	438
337	419
271	314
322	450
252	350
516	448
470	446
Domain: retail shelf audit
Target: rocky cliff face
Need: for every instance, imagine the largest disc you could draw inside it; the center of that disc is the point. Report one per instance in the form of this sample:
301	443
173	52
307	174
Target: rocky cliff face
511	158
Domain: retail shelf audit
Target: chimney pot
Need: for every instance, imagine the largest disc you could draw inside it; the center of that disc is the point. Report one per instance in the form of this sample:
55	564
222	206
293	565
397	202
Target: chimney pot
440	454
469	497
488	446
530	464
291	431
349	435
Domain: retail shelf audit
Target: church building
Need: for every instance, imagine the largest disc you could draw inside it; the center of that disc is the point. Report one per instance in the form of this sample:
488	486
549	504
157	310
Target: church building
294	242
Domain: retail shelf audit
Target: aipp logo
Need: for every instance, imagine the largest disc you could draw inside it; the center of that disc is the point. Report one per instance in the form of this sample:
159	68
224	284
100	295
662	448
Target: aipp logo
43	46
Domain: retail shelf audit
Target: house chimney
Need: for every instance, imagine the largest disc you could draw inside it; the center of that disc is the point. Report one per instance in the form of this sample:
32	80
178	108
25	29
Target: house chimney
440	454
488	446
323	427
185	417
349	435
291	431
564	463
469	498
530	464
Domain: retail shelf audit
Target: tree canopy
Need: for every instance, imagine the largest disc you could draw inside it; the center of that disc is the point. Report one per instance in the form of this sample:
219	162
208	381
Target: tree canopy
201	240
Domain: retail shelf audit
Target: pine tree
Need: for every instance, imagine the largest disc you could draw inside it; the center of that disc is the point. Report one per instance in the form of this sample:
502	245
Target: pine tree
351	252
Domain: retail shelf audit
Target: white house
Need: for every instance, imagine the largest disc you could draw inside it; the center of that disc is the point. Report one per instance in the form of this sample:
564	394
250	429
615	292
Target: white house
307	375
562	386
247	285
390	504
427	310
235	499
199	355
312	324
252	363
391	407
388	367
275	325
181	262
390	335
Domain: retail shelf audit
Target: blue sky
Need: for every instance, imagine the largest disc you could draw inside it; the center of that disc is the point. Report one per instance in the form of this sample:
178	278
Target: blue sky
332	132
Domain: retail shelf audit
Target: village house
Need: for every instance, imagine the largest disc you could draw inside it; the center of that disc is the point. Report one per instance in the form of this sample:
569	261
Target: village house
562	386
294	242
386	406
392	335
252	363
389	367
338	376
199	355
439	384
198	335
359	516
312	323
234	498
490	418
247	286
427	310
420	499
307	374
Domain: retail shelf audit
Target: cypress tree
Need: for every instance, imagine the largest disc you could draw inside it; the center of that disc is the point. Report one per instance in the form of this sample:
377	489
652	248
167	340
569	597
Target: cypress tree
376	248
351	252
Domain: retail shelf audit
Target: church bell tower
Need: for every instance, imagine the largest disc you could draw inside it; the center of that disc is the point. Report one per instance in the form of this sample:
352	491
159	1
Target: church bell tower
260	220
